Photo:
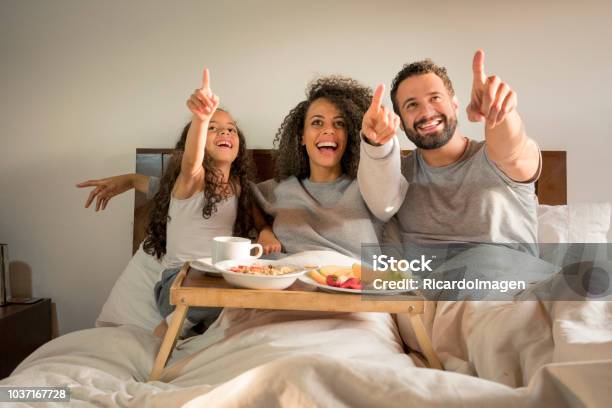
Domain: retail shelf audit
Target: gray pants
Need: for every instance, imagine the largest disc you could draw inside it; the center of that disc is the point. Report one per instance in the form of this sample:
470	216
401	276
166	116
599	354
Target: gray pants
205	315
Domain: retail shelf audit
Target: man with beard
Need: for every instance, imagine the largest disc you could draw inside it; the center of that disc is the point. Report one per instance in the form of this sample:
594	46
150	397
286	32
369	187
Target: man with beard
452	188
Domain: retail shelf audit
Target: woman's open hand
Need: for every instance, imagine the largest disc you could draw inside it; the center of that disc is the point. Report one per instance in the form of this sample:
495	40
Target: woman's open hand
106	188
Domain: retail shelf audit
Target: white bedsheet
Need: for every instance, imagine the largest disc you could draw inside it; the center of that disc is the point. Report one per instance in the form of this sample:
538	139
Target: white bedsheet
278	358
499	354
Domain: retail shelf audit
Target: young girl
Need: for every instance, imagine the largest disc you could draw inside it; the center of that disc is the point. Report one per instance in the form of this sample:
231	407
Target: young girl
203	194
200	194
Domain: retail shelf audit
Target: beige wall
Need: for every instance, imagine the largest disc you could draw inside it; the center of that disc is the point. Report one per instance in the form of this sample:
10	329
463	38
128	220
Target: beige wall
83	83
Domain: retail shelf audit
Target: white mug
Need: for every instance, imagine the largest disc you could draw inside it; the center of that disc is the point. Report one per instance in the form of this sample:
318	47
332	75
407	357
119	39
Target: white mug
233	248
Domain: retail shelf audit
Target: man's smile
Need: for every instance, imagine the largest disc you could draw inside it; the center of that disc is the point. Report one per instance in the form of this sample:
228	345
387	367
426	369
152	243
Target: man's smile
428	126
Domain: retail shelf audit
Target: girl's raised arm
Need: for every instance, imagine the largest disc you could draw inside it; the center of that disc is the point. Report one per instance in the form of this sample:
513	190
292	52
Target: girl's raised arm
202	103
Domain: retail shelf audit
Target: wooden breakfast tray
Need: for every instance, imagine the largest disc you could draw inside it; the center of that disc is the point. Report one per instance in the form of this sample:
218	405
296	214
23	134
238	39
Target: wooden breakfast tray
192	288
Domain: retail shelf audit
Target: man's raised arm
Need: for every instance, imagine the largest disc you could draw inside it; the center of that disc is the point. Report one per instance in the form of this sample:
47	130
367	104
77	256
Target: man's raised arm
507	144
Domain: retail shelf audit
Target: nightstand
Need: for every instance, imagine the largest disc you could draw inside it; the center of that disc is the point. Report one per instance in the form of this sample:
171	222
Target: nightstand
23	328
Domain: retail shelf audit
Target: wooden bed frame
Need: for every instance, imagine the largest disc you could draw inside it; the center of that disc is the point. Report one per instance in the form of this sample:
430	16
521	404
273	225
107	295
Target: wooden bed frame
551	188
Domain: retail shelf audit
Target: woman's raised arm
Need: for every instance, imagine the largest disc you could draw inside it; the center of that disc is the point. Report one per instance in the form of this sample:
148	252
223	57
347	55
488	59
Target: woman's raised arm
107	188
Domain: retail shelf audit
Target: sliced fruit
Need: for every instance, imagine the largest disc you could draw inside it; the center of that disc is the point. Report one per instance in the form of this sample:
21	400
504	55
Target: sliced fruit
317	277
352	283
336	270
332	280
356	270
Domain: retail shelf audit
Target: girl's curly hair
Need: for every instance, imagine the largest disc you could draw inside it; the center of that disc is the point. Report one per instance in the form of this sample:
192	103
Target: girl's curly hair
350	97
241	172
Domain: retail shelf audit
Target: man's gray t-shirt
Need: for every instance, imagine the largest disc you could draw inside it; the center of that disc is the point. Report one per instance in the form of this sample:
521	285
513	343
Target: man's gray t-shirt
471	200
318	216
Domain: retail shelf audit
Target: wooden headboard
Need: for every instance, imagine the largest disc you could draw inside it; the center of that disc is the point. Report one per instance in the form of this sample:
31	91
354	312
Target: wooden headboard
551	188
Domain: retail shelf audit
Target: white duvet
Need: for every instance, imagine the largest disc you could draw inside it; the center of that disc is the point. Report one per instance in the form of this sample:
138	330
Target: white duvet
499	354
278	358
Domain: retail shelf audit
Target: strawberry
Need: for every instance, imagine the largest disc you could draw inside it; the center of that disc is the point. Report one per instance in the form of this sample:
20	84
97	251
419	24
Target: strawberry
332	280
344	282
352	283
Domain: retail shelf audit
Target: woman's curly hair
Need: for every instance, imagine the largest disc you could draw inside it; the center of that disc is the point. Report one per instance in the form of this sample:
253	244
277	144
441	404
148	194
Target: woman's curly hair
350	97
215	190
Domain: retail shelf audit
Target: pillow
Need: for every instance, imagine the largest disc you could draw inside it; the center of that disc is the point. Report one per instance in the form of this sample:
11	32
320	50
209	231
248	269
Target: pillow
569	225
574	223
131	300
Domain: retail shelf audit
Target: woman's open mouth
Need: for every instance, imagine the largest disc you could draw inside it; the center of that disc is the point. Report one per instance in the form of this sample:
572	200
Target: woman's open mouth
327	147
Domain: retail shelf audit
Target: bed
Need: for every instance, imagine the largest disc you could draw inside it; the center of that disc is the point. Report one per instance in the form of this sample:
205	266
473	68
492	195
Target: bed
541	354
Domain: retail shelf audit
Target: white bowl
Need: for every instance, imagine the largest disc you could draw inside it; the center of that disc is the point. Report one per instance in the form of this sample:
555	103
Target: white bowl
250	281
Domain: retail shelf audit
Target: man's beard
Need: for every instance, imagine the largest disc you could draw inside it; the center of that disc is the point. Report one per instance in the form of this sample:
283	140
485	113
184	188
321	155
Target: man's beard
432	140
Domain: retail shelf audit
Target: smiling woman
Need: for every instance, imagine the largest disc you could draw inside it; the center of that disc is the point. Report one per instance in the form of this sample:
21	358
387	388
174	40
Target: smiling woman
324	139
323	131
315	192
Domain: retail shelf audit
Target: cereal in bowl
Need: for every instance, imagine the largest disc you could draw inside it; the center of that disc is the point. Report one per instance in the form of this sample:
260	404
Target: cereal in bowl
258	269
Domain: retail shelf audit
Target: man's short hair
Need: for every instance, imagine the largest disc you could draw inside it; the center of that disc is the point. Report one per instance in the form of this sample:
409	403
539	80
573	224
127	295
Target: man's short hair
426	66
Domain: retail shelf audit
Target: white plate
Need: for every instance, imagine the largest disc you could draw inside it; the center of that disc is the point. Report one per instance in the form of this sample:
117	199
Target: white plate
246	280
205	265
332	289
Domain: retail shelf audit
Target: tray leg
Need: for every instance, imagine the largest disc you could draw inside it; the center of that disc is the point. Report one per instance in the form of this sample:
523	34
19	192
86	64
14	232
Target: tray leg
424	341
169	341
